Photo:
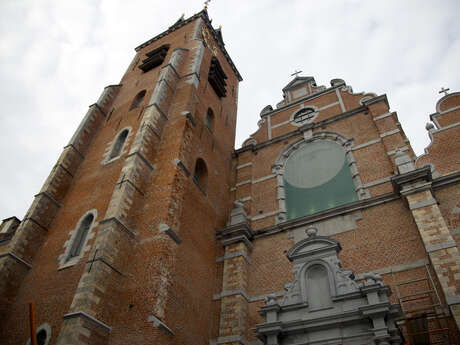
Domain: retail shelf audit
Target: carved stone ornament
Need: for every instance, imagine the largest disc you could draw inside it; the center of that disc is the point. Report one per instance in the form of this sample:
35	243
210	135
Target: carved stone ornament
325	305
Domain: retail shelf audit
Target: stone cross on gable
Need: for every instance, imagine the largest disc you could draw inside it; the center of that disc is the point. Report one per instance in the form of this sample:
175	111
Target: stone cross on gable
296	72
444	90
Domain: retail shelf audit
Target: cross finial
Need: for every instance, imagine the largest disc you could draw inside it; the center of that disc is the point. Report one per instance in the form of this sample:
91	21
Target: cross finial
444	90
295	73
206	3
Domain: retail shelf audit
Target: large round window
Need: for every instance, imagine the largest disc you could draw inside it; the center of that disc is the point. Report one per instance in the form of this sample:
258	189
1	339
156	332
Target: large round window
317	178
314	165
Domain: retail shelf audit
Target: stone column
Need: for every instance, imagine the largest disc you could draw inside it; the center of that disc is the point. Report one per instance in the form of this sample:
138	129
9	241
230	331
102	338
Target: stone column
415	186
234	299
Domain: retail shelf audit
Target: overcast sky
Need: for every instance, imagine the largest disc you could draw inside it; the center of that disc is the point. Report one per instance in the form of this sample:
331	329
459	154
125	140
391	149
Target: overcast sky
56	56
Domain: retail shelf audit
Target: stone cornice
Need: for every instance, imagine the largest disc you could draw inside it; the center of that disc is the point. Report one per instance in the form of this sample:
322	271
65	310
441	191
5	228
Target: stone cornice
300	130
320	216
377	99
439	182
300	100
241	232
418	175
446	180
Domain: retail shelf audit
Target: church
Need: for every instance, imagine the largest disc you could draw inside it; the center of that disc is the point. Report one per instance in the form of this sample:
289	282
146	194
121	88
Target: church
152	228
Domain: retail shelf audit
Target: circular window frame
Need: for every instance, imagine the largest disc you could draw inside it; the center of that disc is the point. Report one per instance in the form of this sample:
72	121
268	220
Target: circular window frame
304	122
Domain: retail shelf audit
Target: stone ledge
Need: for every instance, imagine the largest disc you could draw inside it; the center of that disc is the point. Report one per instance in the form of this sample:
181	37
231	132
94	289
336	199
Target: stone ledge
157	323
402	149
250	299
170	232
98	108
418	175
123	227
366	144
65	169
181	165
36	223
299	131
17	258
240	232
423	203
75	149
141	156
386	134
396	268
127	180
233	339
383	116
326	214
446	180
233	255
49	197
439	246
453	299
101	259
89	318
377	182
229	293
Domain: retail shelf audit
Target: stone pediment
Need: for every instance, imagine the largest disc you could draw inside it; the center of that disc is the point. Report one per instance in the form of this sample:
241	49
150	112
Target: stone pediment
298	81
313	245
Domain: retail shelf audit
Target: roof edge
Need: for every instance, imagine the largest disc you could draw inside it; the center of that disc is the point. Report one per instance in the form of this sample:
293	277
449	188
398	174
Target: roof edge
204	15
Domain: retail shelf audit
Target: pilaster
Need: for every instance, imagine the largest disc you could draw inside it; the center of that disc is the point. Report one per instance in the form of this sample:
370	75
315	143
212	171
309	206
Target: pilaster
236	238
415	186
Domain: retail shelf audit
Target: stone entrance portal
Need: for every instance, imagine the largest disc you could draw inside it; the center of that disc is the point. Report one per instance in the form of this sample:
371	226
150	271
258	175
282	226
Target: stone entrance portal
324	304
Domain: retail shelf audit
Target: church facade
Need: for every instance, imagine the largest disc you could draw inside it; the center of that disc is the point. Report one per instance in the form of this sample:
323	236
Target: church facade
323	228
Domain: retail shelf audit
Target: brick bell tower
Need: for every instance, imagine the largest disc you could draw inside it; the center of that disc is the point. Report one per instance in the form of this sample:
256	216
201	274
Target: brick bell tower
118	247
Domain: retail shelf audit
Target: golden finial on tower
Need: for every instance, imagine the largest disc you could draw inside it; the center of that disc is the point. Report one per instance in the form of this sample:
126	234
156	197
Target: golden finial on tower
220	27
206	3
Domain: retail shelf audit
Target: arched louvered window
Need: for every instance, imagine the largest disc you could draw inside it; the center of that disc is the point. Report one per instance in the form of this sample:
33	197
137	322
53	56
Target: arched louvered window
200	175
80	236
209	121
137	101
119	142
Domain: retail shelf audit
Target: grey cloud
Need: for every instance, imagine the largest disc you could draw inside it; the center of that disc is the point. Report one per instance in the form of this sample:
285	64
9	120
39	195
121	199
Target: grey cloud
57	56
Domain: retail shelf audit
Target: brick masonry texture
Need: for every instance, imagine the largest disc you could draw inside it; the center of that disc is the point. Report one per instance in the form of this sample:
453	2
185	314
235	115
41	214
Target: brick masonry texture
201	287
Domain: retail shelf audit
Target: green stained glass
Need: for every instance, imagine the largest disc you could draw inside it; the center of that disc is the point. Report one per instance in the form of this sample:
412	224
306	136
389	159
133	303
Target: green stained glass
317	178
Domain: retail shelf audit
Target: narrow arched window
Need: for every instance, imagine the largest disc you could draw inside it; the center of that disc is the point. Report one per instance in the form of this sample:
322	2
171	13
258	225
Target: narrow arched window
137	101
119	142
42	337
316	178
200	175
318	290
209	121
80	236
